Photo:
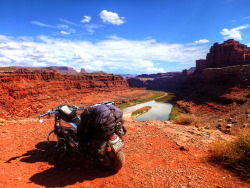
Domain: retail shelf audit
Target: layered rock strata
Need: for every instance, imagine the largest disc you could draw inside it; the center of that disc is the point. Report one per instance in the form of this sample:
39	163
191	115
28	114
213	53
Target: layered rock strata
229	53
25	92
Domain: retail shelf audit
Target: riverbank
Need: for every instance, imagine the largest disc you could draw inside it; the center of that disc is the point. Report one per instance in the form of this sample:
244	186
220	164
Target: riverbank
160	109
153	95
130	116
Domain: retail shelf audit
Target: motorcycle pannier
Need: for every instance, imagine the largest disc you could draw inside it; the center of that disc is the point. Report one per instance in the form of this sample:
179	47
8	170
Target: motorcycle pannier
104	117
67	113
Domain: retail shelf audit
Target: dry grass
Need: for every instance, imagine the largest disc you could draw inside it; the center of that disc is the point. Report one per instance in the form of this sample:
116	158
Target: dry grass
188	119
234	153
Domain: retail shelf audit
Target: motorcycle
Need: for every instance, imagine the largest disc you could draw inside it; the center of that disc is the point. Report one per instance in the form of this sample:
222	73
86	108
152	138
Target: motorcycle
107	150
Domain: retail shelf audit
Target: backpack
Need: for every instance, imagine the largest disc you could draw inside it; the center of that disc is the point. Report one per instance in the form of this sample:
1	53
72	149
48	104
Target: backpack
104	117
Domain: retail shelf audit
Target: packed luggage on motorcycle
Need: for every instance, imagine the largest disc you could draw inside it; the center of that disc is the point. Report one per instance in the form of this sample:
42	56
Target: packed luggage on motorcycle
98	133
103	118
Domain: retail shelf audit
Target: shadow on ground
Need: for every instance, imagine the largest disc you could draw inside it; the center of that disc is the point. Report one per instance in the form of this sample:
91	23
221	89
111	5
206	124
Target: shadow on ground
67	169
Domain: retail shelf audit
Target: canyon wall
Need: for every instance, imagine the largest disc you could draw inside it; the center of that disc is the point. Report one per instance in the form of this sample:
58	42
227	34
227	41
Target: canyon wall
229	53
230	74
25	92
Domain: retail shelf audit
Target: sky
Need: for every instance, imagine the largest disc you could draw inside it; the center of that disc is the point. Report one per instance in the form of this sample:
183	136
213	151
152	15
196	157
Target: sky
118	36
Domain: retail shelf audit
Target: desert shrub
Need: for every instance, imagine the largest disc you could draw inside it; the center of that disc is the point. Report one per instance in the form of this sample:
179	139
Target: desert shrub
234	153
174	114
188	119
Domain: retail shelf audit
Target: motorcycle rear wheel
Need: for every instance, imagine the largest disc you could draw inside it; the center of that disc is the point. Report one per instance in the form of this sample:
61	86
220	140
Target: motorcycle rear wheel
116	160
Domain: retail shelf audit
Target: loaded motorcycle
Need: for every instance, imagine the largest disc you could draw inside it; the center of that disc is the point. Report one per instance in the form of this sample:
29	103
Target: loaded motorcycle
98	133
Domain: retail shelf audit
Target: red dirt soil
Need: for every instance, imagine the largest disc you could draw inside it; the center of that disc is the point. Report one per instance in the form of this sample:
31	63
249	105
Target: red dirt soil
158	154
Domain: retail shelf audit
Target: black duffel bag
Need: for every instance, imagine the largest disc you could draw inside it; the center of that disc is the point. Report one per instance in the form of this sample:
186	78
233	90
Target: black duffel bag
104	118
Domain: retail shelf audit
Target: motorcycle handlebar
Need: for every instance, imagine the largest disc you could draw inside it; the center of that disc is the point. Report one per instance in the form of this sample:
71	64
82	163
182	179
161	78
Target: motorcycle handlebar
78	108
49	112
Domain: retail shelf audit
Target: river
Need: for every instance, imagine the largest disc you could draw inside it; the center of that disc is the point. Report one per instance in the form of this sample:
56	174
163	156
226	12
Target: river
160	110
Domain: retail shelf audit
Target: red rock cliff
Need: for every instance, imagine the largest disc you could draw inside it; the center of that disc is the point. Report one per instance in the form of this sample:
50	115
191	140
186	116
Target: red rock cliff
25	92
229	53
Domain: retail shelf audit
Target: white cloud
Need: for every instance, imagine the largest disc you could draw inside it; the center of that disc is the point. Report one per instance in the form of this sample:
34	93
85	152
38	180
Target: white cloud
9	45
234	33
64	29
247	17
64	32
91	27
113	55
4	38
86	19
4	60
148	66
80	55
111	17
67	22
201	41
62	26
42	24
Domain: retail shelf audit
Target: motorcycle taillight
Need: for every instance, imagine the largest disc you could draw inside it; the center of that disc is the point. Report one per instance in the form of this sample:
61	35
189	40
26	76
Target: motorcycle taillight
113	137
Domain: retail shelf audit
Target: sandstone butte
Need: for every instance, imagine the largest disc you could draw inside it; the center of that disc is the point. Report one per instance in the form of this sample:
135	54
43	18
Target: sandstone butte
63	69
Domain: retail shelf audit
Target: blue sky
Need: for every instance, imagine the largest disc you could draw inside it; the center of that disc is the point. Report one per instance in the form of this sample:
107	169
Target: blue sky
119	36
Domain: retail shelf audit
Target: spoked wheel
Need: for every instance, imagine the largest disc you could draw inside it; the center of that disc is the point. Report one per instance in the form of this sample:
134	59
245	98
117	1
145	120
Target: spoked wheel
115	161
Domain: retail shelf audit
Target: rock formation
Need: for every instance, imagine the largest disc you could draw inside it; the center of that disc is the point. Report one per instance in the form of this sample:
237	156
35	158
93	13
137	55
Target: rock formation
226	62
152	81
229	53
230	74
160	75
83	70
63	69
24	92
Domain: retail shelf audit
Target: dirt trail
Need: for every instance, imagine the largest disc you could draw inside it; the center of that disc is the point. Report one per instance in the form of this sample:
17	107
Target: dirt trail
158	154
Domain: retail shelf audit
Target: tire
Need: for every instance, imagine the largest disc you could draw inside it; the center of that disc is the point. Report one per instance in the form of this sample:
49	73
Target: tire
116	160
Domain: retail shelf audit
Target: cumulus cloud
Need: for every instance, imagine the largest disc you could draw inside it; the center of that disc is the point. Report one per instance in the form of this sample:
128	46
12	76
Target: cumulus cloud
234	33
111	17
113	55
201	41
148	66
9	45
86	19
